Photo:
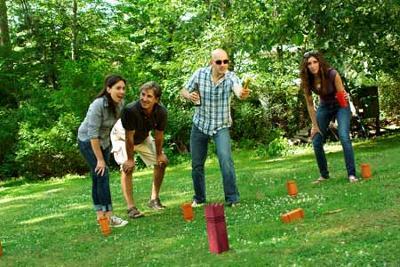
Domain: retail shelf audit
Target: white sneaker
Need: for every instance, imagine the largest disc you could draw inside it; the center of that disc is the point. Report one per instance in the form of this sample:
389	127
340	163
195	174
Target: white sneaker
117	222
196	204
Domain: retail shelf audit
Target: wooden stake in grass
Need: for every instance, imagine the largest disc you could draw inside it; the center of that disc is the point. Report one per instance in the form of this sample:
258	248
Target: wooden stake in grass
1	250
333	211
291	188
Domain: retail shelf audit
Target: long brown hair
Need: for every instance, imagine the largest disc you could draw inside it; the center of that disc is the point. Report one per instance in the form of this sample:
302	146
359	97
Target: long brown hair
109	81
307	78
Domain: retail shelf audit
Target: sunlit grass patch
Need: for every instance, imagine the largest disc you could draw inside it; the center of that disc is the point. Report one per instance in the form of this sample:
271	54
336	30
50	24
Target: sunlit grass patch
52	223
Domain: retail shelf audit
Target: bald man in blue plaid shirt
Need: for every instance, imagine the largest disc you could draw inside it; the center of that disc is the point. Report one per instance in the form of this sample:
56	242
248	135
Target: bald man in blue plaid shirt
212	87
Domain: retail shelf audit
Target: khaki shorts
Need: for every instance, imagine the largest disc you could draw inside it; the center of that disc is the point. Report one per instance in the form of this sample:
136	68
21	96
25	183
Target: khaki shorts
146	149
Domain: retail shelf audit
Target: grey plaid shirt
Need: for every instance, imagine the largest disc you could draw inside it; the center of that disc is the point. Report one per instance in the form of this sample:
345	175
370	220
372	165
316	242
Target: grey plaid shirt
214	112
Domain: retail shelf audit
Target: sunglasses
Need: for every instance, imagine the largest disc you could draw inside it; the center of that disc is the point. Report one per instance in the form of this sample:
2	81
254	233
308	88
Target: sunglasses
219	62
310	54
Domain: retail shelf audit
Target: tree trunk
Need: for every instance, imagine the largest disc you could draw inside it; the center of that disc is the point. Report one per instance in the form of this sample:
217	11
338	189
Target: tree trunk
7	81
5	34
74	43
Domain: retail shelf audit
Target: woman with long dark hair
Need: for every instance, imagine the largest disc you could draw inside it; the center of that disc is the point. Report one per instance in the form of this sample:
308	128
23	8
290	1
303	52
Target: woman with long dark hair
317	77
94	143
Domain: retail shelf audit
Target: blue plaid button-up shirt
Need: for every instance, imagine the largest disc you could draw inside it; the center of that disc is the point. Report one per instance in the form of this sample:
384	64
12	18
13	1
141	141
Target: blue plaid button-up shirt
214	112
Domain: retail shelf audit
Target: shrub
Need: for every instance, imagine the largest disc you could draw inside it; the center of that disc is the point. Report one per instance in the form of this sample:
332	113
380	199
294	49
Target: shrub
389	95
250	121
278	147
48	152
8	133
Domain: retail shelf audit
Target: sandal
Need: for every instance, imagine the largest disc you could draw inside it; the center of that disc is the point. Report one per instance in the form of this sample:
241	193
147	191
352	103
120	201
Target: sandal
320	180
134	213
353	179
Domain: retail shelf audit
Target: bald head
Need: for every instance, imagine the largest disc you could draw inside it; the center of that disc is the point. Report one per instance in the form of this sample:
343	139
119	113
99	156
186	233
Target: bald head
218	53
219	62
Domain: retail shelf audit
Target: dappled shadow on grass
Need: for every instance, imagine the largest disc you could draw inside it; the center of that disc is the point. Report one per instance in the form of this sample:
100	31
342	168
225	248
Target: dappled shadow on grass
379	143
13	182
58	225
354	235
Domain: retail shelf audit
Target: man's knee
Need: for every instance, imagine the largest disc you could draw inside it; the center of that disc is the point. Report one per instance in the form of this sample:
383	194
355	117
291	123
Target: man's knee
162	165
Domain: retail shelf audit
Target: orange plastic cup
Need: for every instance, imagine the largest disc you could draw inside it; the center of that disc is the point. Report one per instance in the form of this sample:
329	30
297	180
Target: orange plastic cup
340	96
365	171
104	226
187	211
291	188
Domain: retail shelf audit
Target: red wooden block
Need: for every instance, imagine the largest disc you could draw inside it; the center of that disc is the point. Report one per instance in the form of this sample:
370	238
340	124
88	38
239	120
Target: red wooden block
216	228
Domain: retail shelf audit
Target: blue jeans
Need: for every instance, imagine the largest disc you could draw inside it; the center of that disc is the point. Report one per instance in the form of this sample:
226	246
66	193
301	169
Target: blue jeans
325	113
101	194
199	147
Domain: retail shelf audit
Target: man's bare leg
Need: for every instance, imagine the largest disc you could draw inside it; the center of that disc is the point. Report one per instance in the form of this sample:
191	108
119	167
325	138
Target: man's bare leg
158	177
126	185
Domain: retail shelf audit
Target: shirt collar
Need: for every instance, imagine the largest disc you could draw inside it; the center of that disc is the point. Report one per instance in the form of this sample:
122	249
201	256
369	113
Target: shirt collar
142	110
106	104
105	101
228	73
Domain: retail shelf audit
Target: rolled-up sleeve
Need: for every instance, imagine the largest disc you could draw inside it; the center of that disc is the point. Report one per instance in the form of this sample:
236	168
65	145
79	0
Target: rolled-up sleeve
94	116
193	82
236	85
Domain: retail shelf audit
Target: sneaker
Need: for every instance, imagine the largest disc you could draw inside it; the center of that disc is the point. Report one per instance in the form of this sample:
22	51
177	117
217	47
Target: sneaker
134	213
353	179
232	204
117	222
196	204
320	180
156	204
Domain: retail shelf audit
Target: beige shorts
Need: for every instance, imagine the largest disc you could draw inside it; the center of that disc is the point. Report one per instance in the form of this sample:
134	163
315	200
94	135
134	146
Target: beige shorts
146	149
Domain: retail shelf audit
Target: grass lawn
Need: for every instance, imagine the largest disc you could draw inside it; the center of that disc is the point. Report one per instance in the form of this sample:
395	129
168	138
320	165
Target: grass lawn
52	223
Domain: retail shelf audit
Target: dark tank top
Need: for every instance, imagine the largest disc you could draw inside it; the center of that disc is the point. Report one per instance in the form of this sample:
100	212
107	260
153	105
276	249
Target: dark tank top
330	97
